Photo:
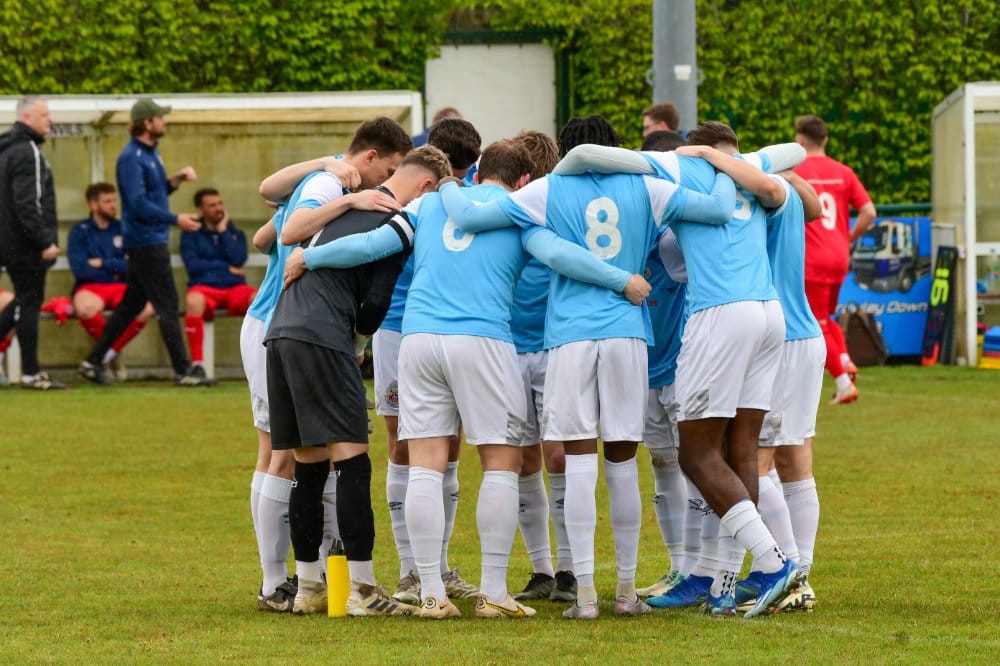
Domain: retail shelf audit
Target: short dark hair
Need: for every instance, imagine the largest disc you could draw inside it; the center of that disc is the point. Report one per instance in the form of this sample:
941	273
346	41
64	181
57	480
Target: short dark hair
429	158
712	133
592	129
663	141
812	128
95	190
458	139
664	113
200	195
542	150
505	161
382	134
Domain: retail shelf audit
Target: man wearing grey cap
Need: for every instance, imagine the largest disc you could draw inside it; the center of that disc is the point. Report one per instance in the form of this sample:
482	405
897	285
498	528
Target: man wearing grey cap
146	219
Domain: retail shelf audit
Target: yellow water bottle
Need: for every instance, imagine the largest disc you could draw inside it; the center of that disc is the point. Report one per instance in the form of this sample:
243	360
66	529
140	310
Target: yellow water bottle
338	580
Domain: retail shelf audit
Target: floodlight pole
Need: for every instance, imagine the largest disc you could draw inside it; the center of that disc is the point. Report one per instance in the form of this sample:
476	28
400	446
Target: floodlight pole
675	66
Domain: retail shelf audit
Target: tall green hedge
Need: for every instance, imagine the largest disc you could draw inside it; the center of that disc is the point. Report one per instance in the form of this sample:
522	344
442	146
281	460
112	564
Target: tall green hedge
874	70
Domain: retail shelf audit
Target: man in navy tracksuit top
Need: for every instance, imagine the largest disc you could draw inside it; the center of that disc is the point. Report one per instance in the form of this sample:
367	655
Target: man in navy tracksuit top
96	252
213	256
146	220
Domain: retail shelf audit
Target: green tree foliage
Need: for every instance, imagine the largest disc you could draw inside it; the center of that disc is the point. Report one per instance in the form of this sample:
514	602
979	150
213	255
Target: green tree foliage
873	69
146	46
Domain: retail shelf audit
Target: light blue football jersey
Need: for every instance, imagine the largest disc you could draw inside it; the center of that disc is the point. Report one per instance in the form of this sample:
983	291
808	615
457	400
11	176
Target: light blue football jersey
667	311
527	314
463	283
786	250
394	317
316	189
325	187
726	263
618	218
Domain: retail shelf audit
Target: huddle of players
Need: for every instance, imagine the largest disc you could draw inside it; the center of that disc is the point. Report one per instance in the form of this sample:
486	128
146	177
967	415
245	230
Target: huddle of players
461	353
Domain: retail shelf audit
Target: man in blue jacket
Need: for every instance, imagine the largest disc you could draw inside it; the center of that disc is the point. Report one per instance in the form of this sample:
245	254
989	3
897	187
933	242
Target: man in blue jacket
146	220
96	254
214	256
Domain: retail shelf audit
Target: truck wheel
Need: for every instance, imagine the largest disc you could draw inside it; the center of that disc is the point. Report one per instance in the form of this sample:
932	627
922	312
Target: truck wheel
905	283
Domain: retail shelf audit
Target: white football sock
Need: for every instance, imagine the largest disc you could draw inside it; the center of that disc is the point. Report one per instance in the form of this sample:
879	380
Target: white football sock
449	490
731	556
533	521
843	382
496	518
580	509
109	356
694	514
331	530
625	505
845	359
362	573
425	525
255	483
396	478
743	522
774	512
309	571
803	508
557	500
275	537
670	502
708	563
775	479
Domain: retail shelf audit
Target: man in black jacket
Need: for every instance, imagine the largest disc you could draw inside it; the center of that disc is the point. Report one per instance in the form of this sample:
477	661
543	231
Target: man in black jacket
28	230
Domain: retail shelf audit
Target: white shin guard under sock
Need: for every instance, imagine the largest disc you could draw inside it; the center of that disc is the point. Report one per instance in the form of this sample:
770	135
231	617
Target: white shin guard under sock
533	521
580	509
803	509
496	518
449	492
557	502
625	506
425	525
708	563
275	537
774	512
255	483
696	508
396	479
670	502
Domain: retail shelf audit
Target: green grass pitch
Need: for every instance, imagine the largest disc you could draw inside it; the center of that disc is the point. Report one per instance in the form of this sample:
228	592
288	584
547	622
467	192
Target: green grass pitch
125	537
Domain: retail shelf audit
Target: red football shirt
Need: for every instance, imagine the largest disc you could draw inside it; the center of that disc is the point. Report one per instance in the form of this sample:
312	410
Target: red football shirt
828	246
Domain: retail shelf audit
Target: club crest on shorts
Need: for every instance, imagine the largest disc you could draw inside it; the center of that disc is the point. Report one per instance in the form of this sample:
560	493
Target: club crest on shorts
392	394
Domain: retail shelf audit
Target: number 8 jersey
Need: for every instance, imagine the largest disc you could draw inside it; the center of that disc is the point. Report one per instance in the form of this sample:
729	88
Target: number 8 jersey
618	218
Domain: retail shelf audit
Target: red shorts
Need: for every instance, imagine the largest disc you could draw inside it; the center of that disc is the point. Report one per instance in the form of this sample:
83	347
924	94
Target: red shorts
110	293
235	299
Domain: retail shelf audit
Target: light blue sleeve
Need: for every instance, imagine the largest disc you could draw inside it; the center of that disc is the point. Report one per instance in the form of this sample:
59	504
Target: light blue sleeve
356	249
472	216
572	260
602	159
714	208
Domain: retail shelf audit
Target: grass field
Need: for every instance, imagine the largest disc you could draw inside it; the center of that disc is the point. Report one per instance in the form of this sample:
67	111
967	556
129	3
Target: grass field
125	537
